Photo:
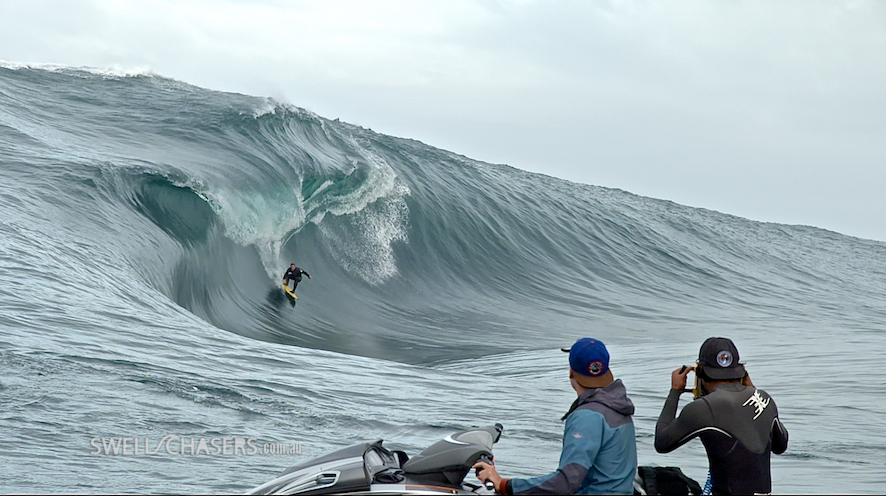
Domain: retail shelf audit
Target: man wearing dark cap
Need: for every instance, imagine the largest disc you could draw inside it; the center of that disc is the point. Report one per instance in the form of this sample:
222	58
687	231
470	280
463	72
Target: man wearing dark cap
599	448
737	423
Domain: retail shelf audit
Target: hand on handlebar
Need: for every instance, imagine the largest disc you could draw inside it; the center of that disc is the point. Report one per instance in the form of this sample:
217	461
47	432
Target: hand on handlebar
485	471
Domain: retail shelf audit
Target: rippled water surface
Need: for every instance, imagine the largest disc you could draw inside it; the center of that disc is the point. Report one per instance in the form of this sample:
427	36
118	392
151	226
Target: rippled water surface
145	224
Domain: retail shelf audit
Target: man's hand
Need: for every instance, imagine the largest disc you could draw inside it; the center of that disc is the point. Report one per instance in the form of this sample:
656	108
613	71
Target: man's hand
487	473
678	377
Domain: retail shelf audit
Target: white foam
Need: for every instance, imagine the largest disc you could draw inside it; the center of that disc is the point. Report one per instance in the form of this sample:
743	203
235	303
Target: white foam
362	243
266	107
113	71
372	218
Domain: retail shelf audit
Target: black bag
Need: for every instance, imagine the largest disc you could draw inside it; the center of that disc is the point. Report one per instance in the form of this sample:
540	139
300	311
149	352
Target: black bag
664	480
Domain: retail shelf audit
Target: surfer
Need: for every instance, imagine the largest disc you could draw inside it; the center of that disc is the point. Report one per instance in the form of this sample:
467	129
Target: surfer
599	444
737	423
294	274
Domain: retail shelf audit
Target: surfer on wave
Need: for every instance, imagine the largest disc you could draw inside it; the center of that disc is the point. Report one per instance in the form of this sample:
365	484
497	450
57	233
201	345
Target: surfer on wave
294	274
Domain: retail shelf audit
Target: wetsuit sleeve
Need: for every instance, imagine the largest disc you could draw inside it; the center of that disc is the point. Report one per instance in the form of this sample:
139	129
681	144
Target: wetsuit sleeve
671	432
779	437
582	439
305	273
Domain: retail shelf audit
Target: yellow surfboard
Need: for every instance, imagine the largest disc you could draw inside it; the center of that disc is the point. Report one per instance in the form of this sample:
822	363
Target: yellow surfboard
289	291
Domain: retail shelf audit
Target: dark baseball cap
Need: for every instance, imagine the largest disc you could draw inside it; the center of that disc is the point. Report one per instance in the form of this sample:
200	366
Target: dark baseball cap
718	358
588	357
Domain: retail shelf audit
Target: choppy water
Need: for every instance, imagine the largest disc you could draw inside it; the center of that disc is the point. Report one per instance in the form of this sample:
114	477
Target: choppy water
145	224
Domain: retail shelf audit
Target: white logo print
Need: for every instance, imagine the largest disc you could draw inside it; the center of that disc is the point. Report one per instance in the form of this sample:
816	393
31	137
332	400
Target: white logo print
758	402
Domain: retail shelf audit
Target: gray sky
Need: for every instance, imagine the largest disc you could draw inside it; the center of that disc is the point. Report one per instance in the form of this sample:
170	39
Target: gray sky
770	110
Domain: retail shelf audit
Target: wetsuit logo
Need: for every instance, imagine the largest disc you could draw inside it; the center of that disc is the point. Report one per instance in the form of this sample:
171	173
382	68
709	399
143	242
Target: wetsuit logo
758	403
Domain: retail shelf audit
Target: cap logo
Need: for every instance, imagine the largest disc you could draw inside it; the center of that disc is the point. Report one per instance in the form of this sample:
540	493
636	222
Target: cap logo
596	367
724	358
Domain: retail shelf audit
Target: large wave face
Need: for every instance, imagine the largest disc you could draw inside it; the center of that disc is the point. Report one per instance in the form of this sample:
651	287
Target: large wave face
201	199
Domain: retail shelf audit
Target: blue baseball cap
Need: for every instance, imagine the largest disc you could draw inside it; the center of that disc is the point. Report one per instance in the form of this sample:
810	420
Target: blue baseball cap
588	357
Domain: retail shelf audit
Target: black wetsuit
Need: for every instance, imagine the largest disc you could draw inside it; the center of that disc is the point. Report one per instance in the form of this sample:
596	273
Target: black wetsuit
294	275
738	426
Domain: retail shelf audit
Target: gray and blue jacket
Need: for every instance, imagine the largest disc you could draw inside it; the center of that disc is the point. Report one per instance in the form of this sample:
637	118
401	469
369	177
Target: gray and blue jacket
599	448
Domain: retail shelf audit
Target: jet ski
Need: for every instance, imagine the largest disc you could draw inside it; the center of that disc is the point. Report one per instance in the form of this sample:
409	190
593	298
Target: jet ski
371	468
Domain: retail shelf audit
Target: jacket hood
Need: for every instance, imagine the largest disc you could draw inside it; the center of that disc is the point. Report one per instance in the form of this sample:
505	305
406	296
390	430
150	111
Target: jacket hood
613	396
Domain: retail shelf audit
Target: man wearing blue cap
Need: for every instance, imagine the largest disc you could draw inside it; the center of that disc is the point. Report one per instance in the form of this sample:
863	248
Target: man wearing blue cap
599	447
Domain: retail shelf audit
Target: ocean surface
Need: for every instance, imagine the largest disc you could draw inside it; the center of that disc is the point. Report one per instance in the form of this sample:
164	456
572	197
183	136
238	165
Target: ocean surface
145	224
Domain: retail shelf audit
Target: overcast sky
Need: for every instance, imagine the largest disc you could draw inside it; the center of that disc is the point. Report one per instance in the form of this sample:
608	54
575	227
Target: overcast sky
770	110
